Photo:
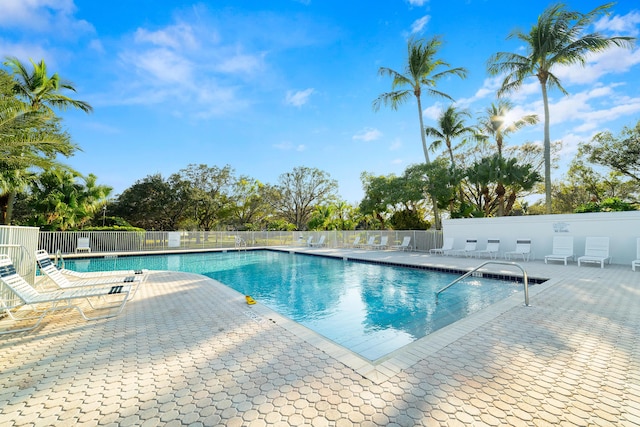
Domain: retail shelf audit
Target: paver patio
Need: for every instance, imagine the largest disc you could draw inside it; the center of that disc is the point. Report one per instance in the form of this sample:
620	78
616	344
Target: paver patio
189	351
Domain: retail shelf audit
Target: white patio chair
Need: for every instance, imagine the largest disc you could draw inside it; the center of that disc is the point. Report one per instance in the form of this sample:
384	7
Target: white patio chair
447	247
370	243
384	242
562	249
596	250
319	243
27	296
523	249
356	242
405	245
468	250
41	253
492	249
83	245
636	262
51	271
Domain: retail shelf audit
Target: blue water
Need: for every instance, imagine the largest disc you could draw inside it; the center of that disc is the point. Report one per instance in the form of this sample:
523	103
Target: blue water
371	309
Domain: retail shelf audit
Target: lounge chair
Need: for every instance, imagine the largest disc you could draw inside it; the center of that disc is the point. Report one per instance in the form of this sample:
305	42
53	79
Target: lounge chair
383	243
446	249
405	245
27	295
596	250
83	245
310	241
356	242
492	249
49	269
42	254
370	243
319	243
468	250
523	249
636	262
562	249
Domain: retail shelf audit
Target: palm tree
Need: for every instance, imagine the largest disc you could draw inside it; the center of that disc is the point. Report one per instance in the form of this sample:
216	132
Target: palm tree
423	71
495	123
556	39
450	126
41	90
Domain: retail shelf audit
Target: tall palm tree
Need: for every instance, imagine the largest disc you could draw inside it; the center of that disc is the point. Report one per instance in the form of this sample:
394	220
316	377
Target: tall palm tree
558	38
41	90
495	123
451	126
423	71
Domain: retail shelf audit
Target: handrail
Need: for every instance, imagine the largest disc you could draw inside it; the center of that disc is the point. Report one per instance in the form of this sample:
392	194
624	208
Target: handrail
525	278
57	258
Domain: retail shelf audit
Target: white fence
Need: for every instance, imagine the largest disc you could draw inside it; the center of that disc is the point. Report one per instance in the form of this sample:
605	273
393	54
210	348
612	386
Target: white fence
130	241
20	244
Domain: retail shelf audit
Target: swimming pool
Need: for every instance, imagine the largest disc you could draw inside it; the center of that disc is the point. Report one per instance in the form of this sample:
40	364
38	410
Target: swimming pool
369	308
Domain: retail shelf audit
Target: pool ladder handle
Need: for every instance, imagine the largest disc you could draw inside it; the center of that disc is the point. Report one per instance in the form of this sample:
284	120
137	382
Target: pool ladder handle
525	278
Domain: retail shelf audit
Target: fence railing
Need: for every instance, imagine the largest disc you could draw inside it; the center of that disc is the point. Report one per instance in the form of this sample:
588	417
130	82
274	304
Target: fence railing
19	243
130	241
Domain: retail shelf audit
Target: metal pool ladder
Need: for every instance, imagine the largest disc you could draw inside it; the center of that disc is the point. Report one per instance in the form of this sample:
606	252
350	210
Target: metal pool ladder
525	278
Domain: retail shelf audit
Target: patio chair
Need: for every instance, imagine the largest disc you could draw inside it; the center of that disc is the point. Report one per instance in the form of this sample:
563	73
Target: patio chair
405	245
468	250
50	270
370	243
27	296
83	245
523	249
446	249
356	242
636	262
310	241
319	243
492	249
596	250
383	243
43	254
562	249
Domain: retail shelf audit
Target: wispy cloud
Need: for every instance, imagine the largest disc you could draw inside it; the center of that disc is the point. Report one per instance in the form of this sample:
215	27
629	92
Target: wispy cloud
395	145
44	16
417	2
620	24
419	24
288	146
298	98
367	134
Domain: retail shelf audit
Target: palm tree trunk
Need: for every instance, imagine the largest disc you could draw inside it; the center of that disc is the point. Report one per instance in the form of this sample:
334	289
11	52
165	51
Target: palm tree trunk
436	213
547	150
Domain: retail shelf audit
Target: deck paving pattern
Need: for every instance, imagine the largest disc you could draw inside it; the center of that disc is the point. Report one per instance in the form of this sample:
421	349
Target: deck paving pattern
189	351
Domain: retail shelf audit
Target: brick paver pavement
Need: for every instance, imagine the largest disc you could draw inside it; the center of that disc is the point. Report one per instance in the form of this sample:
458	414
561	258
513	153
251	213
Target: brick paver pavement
189	351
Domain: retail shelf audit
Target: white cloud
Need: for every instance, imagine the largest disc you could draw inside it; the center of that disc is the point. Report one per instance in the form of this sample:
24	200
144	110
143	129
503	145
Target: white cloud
419	24
432	112
628	24
417	2
288	146
396	144
44	16
299	98
367	134
178	36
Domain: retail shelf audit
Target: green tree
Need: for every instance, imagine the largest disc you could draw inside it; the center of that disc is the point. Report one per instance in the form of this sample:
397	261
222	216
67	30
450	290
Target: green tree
298	192
620	153
250	207
557	39
210	193
450	126
422	73
495	123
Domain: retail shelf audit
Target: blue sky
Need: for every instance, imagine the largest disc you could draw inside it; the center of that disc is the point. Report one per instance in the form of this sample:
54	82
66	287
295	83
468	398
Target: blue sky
266	86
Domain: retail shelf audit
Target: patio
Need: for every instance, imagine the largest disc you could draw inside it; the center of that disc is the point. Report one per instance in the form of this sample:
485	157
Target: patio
189	351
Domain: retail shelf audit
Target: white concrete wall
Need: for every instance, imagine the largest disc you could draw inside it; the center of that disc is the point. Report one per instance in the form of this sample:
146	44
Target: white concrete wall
622	228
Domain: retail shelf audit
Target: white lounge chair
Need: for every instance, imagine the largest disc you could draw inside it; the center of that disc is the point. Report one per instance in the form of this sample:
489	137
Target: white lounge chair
27	296
42	254
469	248
636	262
596	250
356	242
523	249
405	245
384	242
49	269
492	249
370	243
446	248
562	249
319	243
310	241
83	245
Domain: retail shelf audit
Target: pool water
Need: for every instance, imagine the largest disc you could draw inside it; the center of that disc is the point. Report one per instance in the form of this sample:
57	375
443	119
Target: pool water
369	308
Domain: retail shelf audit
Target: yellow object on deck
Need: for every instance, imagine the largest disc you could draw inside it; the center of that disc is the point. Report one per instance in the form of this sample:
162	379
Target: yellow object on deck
250	300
